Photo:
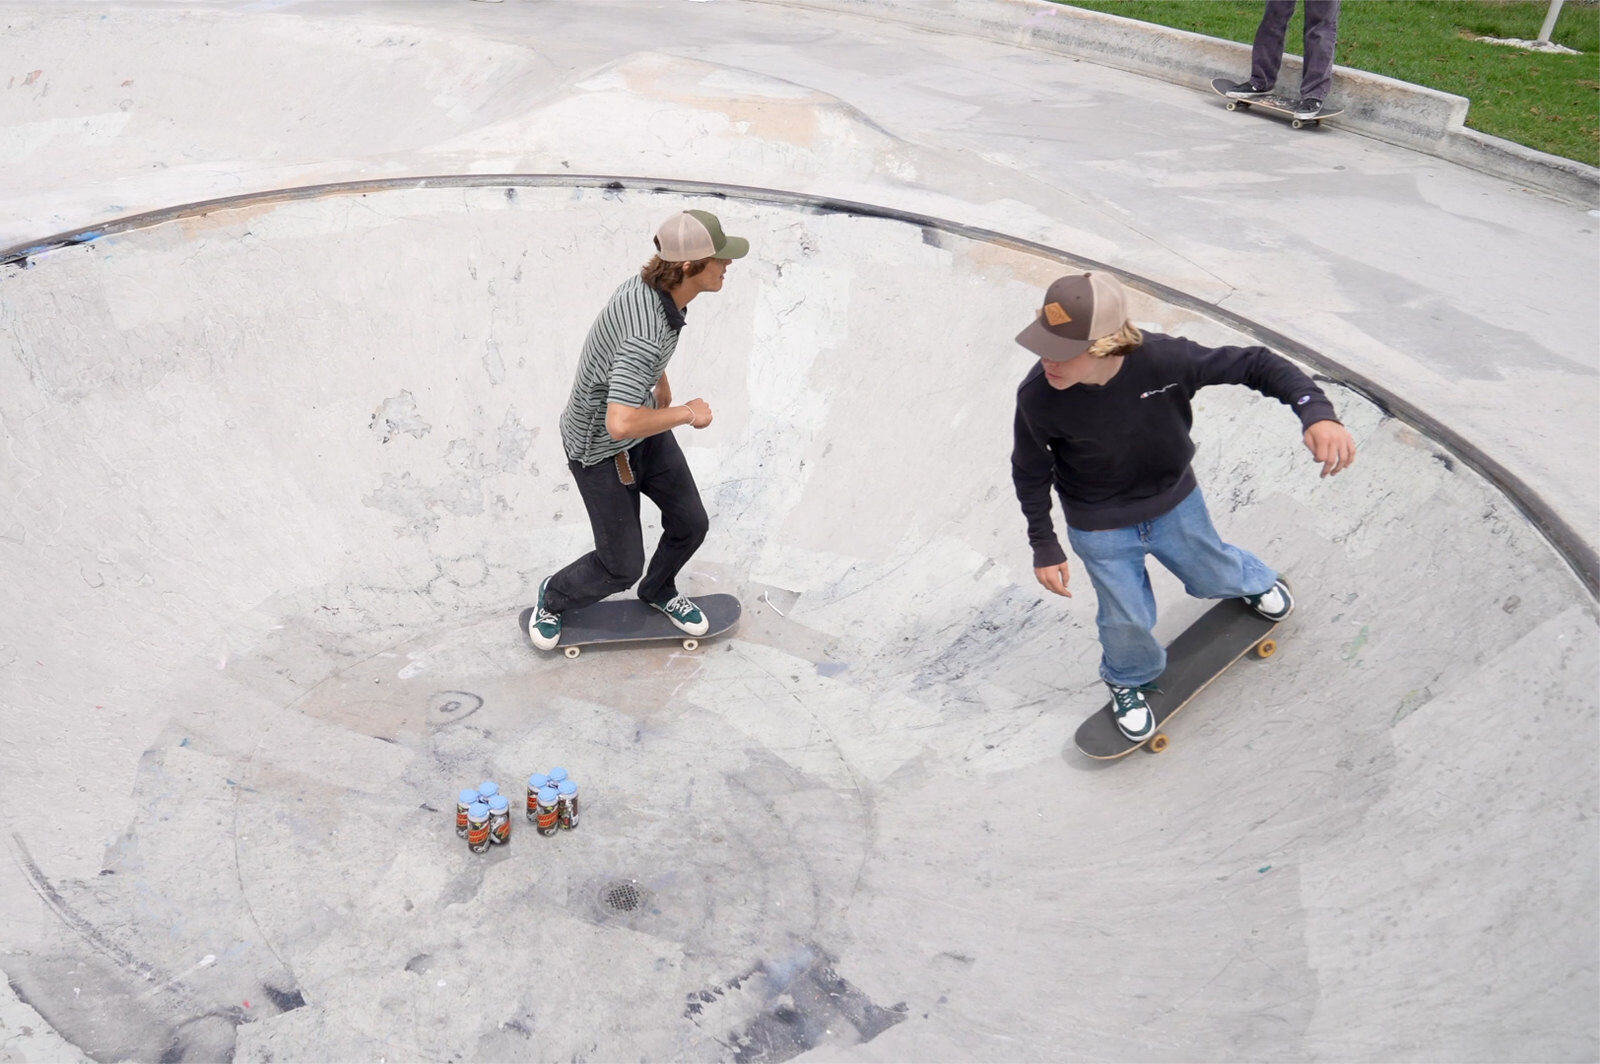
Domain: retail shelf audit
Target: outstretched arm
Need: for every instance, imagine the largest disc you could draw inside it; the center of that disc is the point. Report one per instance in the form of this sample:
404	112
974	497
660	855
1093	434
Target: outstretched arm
1276	377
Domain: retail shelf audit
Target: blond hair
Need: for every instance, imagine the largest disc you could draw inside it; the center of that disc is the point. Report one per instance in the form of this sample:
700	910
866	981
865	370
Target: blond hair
1120	342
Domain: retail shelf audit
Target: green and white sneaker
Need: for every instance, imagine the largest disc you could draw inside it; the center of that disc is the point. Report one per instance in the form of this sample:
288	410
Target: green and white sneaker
1135	720
544	627
684	613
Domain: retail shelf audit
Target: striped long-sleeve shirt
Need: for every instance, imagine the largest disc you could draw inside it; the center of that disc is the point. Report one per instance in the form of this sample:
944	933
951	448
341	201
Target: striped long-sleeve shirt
626	352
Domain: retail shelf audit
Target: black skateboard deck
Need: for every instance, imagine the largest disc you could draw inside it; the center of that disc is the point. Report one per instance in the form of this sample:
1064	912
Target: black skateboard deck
629	620
1283	105
1222	635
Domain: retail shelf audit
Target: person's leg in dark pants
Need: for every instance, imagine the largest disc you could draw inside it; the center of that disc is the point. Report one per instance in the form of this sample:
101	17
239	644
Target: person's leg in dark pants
1266	56
665	479
618	555
1321	34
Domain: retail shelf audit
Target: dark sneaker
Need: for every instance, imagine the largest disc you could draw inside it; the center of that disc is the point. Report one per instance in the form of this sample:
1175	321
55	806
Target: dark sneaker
1132	711
1308	107
544	627
1275	603
683	613
1247	90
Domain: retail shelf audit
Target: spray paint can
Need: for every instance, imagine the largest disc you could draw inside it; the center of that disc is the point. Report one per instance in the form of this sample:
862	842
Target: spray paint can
478	828
464	802
567	805
499	820
536	783
548	822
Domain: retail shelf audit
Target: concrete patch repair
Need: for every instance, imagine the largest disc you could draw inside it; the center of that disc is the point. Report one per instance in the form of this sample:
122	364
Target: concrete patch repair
280	473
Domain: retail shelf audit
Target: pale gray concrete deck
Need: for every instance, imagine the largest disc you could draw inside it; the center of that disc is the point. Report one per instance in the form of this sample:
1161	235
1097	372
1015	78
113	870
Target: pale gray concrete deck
278	477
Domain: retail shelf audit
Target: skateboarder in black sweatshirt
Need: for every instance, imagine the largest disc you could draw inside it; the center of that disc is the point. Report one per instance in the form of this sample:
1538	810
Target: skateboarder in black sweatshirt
1104	418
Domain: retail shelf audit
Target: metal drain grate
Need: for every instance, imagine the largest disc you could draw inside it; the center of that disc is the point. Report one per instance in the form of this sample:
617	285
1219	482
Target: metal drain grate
622	897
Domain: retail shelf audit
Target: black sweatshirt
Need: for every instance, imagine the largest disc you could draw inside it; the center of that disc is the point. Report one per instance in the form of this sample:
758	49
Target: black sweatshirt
1118	453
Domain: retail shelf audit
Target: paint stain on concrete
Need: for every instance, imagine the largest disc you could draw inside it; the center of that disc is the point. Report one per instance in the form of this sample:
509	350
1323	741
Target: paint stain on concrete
1352	648
782	1007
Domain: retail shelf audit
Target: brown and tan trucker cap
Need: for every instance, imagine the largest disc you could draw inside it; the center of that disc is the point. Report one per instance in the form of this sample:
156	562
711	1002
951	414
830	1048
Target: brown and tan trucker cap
693	235
1078	310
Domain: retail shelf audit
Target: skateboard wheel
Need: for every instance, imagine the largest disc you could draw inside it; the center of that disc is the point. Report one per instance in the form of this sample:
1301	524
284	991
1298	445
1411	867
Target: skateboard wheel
573	652
1266	648
1158	742
1233	105
691	644
1296	123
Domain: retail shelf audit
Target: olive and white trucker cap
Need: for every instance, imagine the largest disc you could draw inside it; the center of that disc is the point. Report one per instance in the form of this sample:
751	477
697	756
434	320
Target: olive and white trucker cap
694	235
1078	310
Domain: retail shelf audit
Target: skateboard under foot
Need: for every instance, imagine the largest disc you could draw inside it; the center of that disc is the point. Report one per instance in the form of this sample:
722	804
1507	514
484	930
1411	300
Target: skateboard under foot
1223	634
1282	105
629	620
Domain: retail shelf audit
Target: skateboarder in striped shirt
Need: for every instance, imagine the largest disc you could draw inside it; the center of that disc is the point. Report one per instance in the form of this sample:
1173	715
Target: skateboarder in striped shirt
617	433
1104	417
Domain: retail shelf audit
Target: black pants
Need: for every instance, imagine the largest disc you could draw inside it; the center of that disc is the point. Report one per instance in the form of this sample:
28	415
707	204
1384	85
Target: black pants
660	473
1321	33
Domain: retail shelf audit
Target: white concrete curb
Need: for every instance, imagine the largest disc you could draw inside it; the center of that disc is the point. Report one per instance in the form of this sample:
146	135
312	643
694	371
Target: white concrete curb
1394	111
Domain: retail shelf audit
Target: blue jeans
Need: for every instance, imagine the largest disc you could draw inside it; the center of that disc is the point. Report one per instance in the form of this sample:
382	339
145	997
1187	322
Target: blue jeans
1184	540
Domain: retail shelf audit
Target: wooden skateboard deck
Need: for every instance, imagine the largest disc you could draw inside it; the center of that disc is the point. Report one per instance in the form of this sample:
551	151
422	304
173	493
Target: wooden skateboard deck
1222	635
1283	105
629	620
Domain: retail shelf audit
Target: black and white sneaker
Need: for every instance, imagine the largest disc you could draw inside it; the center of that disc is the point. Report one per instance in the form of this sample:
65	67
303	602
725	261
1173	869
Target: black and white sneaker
1308	107
1135	720
1275	603
1247	90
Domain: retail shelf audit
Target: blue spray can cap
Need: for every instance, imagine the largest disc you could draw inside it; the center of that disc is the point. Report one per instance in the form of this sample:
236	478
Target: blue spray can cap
557	775
498	804
549	795
467	796
538	781
569	787
479	810
488	788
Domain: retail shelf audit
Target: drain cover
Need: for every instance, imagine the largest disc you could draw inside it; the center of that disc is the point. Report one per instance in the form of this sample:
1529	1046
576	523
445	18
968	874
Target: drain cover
621	897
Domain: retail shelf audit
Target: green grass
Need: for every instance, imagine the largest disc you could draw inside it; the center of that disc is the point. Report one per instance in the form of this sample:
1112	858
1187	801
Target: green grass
1548	102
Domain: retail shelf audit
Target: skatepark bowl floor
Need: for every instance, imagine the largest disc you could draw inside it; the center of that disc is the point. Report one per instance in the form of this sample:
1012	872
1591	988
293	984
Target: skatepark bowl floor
279	478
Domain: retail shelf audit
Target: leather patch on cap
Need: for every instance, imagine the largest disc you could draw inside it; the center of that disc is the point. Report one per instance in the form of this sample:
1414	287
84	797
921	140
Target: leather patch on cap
1055	315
